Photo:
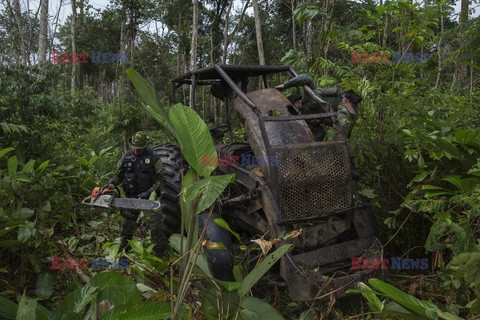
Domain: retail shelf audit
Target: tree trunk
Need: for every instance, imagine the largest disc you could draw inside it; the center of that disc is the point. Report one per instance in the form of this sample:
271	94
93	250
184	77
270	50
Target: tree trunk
461	68
237	27
225	33
74	45
42	36
439	48
294	27
258	31
55	29
193	58
308	32
17	13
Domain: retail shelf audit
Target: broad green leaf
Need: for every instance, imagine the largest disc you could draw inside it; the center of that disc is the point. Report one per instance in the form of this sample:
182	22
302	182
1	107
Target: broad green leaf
136	246
455	180
207	190
9	243
10	226
22	214
29	166
145	310
202	262
113	286
260	308
12	166
466	136
5	151
26	231
117	288
8	308
82	161
416	306
69	316
247	314
252	278
44	287
186	206
193	137
26	308
87	295
419	177
368	193
449	316
373	302
42	166
219	304
307	315
224	224
147	93
394	309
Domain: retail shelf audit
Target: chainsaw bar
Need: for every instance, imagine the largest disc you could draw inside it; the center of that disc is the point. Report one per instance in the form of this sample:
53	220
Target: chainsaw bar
109	201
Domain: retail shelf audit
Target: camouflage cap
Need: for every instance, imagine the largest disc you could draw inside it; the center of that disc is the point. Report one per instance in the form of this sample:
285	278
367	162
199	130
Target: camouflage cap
139	140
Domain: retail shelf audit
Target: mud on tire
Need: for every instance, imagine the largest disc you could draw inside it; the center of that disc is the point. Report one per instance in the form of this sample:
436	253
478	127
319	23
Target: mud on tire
174	165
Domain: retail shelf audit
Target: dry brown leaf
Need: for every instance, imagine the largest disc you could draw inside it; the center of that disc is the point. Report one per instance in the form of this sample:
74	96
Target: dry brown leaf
266	245
210	245
293	234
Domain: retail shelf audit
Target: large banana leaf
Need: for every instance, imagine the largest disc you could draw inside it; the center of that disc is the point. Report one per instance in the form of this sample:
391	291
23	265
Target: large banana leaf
254	308
261	269
418	307
207	190
202	263
148	96
193	137
145	310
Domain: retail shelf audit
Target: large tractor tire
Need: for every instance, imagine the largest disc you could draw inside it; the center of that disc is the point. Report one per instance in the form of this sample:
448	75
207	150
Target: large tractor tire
220	261
169	216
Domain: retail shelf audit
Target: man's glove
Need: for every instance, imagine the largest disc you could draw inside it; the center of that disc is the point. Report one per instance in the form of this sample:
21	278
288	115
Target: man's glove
145	194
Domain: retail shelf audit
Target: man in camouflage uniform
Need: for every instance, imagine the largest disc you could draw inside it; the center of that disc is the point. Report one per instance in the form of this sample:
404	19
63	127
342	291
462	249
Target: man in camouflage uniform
332	95
140	172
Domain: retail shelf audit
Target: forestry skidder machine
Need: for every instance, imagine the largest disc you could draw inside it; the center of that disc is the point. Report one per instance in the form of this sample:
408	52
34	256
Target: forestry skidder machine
310	186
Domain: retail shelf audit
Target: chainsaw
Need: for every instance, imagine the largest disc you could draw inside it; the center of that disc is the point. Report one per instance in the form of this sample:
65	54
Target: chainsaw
102	197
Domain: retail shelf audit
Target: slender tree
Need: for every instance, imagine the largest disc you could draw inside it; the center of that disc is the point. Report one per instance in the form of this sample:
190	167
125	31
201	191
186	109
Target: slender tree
461	68
193	58
42	36
225	32
258	31
17	14
74	45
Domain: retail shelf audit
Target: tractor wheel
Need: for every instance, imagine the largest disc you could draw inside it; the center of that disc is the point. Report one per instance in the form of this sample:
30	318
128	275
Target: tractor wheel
174	165
219	260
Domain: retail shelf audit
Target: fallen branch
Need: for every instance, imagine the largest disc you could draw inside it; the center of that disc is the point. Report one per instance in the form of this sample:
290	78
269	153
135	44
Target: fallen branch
80	274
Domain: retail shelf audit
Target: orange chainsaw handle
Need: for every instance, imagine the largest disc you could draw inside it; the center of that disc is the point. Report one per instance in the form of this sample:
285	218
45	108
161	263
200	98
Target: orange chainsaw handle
97	190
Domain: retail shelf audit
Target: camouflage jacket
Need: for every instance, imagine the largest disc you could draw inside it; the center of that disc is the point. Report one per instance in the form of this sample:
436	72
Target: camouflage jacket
139	173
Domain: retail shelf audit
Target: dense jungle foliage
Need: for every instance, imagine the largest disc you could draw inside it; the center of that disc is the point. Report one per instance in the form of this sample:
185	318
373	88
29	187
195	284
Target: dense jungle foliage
64	126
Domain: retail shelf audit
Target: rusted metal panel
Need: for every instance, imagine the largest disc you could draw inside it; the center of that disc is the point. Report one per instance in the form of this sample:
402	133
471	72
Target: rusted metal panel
306	284
278	133
333	253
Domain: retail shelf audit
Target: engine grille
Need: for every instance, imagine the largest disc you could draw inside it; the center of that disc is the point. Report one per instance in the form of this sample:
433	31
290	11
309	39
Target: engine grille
312	180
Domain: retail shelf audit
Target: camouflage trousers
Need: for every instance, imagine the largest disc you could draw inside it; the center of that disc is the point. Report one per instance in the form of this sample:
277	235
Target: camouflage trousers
155	224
